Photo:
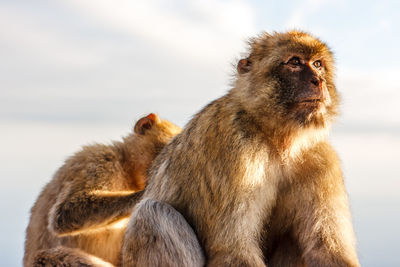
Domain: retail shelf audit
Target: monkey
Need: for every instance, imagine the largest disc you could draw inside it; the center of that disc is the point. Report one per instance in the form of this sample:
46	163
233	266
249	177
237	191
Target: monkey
80	217
253	173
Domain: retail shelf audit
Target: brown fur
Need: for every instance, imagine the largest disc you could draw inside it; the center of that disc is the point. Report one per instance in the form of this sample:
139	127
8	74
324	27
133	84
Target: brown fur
164	238
253	172
85	207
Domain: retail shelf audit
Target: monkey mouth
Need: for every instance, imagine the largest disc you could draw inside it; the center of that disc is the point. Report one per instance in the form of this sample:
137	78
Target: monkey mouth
310	101
307	106
313	103
306	103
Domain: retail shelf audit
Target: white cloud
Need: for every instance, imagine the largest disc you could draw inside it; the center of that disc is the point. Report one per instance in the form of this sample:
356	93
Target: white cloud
300	13
188	47
211	34
25	39
305	9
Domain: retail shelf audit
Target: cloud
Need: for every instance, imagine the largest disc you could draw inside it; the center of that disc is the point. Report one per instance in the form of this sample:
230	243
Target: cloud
209	33
127	42
127	57
300	13
304	9
92	60
27	39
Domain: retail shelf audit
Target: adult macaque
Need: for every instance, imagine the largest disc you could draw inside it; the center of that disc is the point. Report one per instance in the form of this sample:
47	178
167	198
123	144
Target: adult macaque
253	173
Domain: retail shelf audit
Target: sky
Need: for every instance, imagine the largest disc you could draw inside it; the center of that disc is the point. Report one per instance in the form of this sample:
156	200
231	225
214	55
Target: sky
77	72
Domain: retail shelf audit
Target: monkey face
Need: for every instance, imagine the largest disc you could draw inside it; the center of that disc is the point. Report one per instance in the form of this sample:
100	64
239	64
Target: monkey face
291	77
302	88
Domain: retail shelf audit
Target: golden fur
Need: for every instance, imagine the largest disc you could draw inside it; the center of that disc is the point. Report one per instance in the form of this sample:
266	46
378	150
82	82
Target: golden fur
80	216
253	173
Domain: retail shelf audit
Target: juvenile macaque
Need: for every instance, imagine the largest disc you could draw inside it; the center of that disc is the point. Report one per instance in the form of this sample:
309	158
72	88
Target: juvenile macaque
252	173
80	217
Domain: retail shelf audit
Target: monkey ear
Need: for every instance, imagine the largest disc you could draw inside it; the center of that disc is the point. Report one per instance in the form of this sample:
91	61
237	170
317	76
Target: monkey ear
244	66
145	123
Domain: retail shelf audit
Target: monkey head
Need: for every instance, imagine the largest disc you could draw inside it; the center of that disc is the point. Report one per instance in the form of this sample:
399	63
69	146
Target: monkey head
289	76
156	131
146	123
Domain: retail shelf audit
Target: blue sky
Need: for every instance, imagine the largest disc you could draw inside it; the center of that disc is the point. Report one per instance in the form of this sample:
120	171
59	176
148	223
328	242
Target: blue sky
76	72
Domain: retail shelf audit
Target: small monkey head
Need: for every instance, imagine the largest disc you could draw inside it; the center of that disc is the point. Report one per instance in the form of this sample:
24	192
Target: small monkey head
146	123
289	76
156	130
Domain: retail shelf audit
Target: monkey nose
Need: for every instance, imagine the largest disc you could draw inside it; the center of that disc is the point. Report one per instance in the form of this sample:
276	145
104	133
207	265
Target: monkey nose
316	81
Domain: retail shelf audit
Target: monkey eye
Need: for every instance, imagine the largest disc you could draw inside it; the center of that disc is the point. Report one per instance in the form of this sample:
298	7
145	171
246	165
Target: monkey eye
294	61
317	64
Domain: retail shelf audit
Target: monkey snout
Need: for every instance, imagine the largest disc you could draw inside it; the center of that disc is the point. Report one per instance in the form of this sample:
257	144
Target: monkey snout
316	81
317	89
313	92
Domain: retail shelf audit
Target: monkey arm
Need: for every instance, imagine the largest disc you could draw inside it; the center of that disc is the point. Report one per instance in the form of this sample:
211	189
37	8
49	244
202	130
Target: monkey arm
85	211
325	230
328	238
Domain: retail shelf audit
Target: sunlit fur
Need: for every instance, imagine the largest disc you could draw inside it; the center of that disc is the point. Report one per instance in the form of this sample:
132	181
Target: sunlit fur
259	89
258	182
81	215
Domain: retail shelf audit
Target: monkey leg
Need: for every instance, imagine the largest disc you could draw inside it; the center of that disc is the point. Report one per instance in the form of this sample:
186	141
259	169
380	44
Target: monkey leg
67	257
158	235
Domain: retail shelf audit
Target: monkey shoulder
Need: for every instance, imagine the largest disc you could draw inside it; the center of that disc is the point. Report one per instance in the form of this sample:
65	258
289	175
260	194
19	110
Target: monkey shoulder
317	164
93	166
323	152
